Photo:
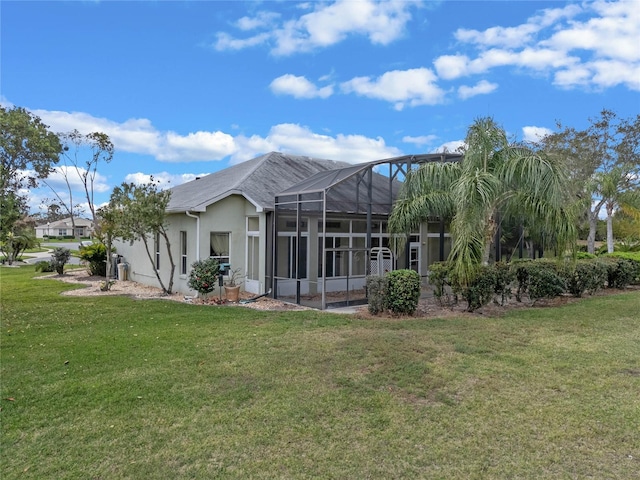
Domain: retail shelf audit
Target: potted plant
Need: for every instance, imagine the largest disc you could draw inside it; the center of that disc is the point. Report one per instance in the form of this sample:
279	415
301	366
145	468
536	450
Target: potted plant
232	287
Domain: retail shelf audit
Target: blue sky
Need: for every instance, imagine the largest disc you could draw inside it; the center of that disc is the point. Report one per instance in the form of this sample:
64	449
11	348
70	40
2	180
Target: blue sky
188	88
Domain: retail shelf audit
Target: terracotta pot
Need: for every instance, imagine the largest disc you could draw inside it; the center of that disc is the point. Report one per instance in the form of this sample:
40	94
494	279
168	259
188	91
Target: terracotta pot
232	293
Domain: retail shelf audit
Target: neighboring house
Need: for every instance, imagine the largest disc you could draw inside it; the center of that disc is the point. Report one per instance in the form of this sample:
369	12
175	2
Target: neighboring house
64	228
299	227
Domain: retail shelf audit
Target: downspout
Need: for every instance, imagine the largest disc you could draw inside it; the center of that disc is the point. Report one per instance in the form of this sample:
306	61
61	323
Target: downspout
197	217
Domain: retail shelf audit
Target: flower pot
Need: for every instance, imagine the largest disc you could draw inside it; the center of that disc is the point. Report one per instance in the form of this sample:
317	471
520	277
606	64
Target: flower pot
232	292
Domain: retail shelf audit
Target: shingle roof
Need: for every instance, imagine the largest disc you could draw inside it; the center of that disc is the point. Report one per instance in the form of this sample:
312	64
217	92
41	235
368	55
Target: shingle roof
258	180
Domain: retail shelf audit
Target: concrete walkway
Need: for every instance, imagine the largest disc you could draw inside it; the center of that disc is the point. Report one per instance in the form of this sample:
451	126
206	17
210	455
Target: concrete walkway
36	257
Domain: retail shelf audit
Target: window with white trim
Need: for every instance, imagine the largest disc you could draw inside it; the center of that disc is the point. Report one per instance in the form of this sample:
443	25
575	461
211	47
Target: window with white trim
219	246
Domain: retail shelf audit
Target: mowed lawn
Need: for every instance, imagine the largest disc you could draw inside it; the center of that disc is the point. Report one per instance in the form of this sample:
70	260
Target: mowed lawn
116	388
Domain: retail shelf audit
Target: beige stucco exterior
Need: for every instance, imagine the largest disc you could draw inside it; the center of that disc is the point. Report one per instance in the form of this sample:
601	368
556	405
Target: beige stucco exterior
228	215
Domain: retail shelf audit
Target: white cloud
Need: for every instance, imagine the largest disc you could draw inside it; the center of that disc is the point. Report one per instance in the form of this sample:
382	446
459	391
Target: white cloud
57	181
452	66
327	24
520	35
420	140
452	147
481	88
591	45
296	139
262	19
535	134
141	137
299	87
165	180
227	42
402	87
196	146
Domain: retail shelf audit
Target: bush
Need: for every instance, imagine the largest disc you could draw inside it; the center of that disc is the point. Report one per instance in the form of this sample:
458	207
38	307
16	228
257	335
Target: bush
203	277
480	291
621	272
580	255
634	257
505	275
521	271
403	291
585	276
440	279
377	293
44	266
96	257
59	259
544	281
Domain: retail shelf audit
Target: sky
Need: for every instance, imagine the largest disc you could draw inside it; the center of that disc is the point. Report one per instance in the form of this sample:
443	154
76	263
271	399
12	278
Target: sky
186	88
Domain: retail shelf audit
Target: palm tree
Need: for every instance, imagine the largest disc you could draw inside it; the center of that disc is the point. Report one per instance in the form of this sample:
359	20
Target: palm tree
617	189
496	180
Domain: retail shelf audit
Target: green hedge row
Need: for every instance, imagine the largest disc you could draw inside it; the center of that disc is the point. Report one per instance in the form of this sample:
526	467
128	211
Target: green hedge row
534	278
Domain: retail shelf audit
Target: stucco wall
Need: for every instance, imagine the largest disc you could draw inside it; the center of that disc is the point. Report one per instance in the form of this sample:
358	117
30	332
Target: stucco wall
228	215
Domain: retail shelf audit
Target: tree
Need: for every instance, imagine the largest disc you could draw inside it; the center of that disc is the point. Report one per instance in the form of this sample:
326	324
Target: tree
78	160
141	216
107	229
28	151
604	166
626	225
495	181
615	192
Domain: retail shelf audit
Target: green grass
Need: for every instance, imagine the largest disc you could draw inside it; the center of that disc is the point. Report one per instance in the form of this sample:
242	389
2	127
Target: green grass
109	387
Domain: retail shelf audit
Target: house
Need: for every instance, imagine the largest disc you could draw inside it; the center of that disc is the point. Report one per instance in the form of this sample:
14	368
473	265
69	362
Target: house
304	229
64	228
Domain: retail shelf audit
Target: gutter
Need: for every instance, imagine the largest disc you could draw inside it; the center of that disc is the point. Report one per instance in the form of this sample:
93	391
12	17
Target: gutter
197	217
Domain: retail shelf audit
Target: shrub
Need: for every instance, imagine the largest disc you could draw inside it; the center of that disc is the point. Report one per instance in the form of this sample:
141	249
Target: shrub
521	271
480	291
634	257
203	277
585	276
44	266
505	275
59	258
96	257
440	279
621	272
377	293
544	281
403	291
580	255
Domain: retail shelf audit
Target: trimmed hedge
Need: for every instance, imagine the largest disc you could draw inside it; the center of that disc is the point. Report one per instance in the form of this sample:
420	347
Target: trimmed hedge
403	291
536	278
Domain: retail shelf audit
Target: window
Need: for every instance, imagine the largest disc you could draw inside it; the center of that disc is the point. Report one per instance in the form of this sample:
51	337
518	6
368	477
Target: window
156	249
183	252
337	256
219	246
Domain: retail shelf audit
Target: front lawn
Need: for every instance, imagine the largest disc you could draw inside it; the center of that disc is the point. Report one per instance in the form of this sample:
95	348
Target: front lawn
111	387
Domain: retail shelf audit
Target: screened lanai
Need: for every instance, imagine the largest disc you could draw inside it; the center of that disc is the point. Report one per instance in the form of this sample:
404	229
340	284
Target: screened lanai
330	233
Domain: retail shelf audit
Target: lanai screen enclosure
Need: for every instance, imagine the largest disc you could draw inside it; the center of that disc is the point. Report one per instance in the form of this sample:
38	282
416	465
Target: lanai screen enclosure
330	232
